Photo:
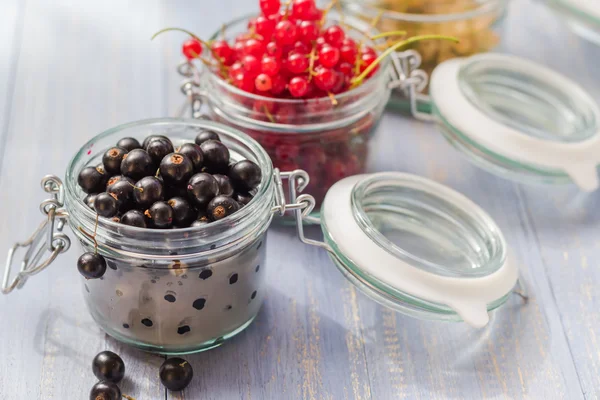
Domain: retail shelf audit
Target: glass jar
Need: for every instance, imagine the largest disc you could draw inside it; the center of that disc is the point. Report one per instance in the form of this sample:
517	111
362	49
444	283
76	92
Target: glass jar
476	23
409	243
327	137
582	16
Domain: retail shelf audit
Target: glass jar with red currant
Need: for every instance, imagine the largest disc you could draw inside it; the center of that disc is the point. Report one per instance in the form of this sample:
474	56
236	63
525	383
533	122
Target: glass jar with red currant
306	83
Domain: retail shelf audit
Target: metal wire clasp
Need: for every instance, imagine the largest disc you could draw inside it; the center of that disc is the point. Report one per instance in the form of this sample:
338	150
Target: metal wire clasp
190	87
301	205
411	80
48	236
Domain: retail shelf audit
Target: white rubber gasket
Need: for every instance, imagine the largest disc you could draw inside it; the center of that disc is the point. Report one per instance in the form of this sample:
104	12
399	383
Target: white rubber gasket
469	297
579	159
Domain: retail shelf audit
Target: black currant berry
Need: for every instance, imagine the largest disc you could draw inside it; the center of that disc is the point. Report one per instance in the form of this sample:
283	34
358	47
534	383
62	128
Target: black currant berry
92	180
158	149
202	188
107	366
137	164
206	135
106	205
161	215
243	198
112	160
91	265
193	152
89	200
153	138
148	191
183	213
176	168
216	156
121	188
245	175
221	207
105	391
129	143
134	218
176	374
225	186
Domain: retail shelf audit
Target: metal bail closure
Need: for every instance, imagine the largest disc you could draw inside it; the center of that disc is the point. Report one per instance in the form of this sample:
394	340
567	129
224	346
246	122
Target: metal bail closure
48	236
190	87
521	114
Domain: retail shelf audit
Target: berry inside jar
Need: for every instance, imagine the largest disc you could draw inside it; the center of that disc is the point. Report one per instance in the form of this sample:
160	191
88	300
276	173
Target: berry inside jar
308	83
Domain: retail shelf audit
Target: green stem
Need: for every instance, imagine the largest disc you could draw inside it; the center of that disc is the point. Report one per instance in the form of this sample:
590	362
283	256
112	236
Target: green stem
358	80
386	34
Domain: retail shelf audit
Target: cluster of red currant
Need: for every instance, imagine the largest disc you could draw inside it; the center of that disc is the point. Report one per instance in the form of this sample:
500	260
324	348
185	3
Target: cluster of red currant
289	52
301	69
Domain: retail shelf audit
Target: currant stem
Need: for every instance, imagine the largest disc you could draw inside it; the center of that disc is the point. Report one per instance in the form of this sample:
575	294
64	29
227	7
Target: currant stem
311	65
207	44
387	34
268	114
358	80
326	11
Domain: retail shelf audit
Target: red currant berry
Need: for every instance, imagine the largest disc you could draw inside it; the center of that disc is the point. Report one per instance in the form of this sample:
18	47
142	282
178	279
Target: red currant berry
279	85
270	65
270	7
286	152
244	82
239	49
317	15
298	86
303	9
297	63
366	60
340	82
263	83
286	32
273	49
348	41
254	48
346	68
235	69
325	78
368	50
264	26
251	65
191	49
329	56
309	31
222	50
320	42
302	48
334	35
348	53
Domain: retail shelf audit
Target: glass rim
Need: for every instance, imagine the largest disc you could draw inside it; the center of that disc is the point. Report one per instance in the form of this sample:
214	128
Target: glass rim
73	200
381	73
496	259
370	10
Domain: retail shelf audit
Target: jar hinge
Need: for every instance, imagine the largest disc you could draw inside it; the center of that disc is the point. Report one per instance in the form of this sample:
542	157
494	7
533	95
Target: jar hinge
411	80
301	205
190	87
48	236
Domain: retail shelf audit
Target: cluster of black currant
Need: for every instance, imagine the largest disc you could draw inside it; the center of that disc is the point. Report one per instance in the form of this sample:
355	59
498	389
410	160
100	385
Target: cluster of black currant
175	374
155	185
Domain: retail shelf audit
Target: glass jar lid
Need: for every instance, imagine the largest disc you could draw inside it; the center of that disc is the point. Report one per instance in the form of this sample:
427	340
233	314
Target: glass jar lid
518	118
417	246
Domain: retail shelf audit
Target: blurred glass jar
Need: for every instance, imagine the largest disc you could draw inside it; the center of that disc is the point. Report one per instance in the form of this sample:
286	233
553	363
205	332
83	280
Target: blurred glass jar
476	23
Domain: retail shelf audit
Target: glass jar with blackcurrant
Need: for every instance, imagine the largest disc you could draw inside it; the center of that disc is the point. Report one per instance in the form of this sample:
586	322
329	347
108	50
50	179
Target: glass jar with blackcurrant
309	84
172	217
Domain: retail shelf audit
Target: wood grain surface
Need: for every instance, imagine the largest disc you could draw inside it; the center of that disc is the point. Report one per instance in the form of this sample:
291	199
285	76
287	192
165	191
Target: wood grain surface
70	69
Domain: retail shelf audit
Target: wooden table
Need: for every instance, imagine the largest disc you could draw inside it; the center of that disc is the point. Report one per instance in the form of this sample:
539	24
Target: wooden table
70	69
